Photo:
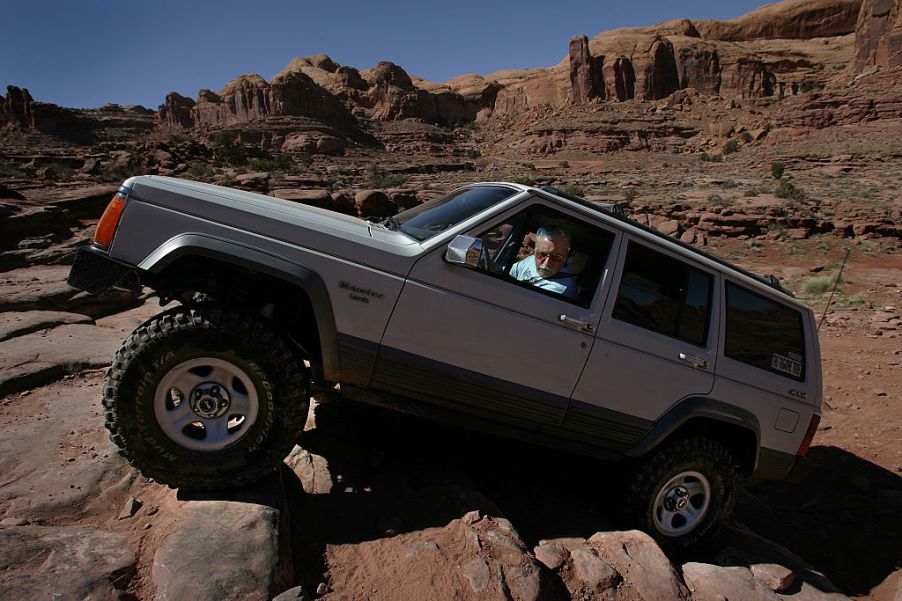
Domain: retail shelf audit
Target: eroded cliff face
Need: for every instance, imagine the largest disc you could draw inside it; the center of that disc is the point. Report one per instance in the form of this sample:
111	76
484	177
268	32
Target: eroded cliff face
776	51
19	108
878	35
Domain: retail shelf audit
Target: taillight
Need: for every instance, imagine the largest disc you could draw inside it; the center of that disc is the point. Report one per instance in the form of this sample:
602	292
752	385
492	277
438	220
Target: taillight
109	221
809	435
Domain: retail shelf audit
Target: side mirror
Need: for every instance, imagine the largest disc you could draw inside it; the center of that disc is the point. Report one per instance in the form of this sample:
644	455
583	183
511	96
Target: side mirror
464	250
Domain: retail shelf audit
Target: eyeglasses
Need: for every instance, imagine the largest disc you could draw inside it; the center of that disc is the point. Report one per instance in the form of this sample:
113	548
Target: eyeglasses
553	257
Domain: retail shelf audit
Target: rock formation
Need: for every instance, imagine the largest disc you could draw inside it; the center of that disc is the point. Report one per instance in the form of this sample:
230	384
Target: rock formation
21	109
878	35
586	76
792	19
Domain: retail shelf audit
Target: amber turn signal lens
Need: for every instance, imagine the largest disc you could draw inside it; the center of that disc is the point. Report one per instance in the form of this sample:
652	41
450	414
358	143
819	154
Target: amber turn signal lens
809	435
106	228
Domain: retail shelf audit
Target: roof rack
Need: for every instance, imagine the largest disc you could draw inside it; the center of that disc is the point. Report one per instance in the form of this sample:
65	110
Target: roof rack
617	211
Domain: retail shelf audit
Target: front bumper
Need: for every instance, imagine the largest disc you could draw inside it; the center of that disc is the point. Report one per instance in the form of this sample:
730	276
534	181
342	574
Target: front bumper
95	272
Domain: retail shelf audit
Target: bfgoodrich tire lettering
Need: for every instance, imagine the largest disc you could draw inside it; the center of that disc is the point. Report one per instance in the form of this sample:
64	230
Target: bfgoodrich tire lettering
205	397
683	492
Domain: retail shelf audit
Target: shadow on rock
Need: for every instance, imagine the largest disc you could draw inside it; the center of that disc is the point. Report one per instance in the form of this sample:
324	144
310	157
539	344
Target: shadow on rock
842	517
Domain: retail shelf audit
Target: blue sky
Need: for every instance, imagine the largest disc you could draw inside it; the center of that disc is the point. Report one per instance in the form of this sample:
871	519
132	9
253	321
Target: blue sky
84	53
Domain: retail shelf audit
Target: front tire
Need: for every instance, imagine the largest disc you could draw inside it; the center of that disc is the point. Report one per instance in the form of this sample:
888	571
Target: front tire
683	492
206	397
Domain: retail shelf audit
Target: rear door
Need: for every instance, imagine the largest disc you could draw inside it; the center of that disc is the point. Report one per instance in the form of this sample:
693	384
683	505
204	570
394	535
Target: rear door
655	346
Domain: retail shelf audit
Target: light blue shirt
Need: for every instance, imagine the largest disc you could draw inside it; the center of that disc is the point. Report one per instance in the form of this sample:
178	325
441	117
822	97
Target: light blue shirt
563	283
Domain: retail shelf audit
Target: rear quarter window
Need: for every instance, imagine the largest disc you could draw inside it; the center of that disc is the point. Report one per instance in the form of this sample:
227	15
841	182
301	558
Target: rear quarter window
764	333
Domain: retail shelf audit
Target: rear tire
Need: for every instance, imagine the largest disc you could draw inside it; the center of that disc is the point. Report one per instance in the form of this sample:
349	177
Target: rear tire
682	493
206	397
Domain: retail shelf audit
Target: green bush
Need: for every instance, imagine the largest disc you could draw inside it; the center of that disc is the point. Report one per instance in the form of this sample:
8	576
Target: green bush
473	153
786	189
379	178
752	192
777	169
226	148
630	194
565	164
279	162
711	158
747	137
574	189
200	171
730	147
818	284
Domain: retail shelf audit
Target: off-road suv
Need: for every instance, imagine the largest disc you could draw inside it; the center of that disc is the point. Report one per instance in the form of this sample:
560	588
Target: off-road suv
691	369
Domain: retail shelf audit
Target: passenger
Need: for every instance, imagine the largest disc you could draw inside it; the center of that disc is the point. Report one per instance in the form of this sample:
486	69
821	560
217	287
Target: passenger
547	268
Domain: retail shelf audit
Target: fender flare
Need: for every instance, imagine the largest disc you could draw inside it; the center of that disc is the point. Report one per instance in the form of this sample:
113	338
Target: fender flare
693	407
199	245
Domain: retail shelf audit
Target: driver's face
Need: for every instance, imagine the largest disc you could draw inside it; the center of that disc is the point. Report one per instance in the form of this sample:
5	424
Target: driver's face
551	256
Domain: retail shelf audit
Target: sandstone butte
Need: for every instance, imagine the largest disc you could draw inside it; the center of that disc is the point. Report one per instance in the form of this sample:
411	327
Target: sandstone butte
772	51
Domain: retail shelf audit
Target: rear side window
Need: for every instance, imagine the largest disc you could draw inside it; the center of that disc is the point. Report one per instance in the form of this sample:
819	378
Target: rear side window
665	295
764	333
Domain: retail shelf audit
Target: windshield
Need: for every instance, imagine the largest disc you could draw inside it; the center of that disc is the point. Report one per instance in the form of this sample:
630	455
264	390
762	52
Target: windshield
435	216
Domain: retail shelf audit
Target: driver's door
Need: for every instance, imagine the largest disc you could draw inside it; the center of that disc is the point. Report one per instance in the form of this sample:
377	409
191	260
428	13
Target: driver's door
475	340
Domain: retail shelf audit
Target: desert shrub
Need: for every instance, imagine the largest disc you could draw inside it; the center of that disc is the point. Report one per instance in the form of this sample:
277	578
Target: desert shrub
718	201
751	192
226	148
786	189
777	169
630	194
200	171
10	171
818	284
747	137
711	158
574	189
522	179
730	147
810	86
379	178
473	153
565	164
278	162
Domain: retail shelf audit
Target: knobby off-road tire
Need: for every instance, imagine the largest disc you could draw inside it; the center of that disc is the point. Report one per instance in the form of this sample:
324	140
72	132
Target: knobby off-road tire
682	493
205	397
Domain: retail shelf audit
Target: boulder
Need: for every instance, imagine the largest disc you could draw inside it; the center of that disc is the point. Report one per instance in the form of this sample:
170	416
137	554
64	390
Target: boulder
639	560
374	203
342	202
715	583
472	557
244	530
316	198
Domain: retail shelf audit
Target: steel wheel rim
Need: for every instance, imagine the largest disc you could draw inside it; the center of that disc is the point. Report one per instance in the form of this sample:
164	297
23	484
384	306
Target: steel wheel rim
205	404
682	504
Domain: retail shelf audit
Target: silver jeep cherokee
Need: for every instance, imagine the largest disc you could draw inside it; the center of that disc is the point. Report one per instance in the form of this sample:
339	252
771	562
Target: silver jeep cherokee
690	370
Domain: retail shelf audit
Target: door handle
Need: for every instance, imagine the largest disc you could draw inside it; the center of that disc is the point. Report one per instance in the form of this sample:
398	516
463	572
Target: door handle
579	324
694	361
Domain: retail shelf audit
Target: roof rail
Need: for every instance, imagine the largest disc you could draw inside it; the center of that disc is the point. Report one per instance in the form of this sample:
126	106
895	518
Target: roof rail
617	211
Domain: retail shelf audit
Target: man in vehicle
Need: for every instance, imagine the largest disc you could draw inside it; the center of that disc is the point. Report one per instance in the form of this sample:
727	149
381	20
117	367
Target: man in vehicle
547	268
